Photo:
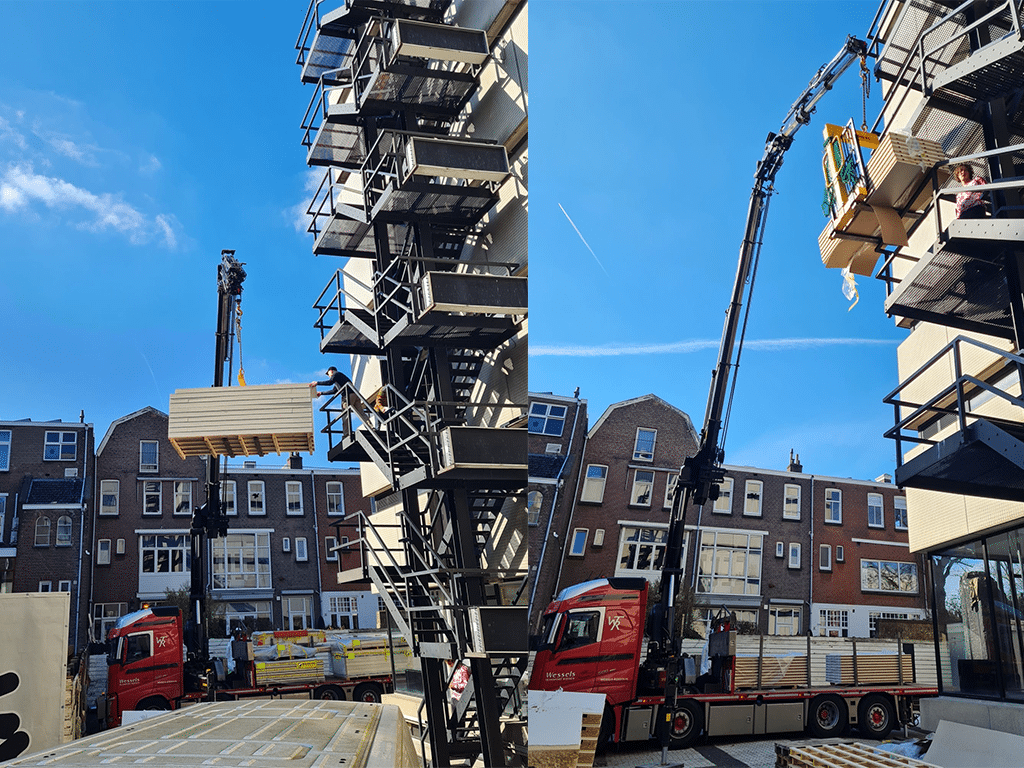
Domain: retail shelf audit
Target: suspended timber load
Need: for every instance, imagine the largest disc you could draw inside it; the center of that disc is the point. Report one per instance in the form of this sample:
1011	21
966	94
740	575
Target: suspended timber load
241	421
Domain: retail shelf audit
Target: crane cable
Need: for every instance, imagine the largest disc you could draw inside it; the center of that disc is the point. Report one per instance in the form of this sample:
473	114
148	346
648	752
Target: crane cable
238	336
865	90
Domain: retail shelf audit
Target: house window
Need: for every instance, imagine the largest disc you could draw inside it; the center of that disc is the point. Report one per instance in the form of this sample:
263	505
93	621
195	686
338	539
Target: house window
794	555
884	576
330	543
64	524
791	502
643	485
297	612
257	493
599	537
874	616
183	497
151	490
780	549
301	555
103	552
730	563
3	514
752	502
335	499
5	450
46	586
899	513
105	616
578	545
547	419
641	551
253	615
875	519
670	490
149	451
286	544
834	623
166	553
227	497
784	621
534	499
343	612
43	532
119	549
241	561
840	554
593	485
723	504
293	494
833	505
64	586
60	446
110	491
643	448
825	557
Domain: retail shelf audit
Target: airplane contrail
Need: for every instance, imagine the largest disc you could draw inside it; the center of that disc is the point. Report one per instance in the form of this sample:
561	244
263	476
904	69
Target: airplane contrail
584	241
682	347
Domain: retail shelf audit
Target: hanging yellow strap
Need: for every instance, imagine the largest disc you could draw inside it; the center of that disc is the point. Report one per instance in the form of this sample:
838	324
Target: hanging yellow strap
238	335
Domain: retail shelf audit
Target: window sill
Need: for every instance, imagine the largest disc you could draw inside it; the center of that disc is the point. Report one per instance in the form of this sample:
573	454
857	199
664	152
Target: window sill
833	522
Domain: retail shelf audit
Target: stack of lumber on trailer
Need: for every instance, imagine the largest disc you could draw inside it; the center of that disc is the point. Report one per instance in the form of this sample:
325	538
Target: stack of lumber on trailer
787	671
872	669
854	755
564	728
241	421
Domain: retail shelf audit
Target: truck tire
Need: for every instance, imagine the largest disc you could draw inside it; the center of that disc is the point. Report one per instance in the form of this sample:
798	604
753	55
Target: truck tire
687	723
827	716
329	693
875	716
368	692
153	704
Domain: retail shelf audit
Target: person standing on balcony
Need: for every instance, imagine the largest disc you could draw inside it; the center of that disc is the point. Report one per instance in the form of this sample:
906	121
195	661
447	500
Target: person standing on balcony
969	205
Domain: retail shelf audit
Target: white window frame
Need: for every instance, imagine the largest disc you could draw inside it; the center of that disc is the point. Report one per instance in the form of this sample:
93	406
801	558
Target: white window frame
335	499
636	495
330	542
791	622
753	491
46	586
169	542
103	550
833	620
3	514
840	553
670	489
110	489
578	544
639	543
286	544
593	483
794	556
791	492
143	465
59	440
879	506
65	528
534	501
257	489
64	585
900	567
6	436
718	563
119	547
301	549
899	503
230	561
183	495
293	498
723	504
825	557
638	453
833	506
780	549
39	529
546	415
152	489
229	498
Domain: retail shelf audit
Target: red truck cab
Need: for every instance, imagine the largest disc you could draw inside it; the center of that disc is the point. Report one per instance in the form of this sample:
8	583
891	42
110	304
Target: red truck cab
145	663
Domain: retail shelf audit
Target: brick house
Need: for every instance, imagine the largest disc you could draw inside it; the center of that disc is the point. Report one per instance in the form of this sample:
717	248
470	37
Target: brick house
557	436
46	486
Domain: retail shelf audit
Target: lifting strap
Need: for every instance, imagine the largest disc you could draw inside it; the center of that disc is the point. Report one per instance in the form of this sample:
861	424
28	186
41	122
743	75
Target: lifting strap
238	336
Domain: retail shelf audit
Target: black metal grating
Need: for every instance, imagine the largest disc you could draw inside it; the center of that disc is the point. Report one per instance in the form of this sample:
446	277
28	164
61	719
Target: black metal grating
341	146
463	206
440	91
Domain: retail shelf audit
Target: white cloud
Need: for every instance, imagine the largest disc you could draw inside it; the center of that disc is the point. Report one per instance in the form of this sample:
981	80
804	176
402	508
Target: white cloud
9	134
683	347
65	146
150	165
298	214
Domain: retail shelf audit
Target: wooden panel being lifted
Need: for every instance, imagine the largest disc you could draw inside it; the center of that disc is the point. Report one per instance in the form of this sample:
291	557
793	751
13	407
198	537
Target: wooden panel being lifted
241	421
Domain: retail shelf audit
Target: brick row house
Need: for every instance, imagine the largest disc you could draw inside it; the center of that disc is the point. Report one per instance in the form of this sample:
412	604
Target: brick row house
788	552
46	490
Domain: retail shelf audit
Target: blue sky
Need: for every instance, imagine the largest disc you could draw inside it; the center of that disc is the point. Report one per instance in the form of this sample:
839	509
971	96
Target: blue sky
137	140
648	122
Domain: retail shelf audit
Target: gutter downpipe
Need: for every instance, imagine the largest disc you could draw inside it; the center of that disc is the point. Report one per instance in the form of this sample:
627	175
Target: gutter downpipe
554	503
810	593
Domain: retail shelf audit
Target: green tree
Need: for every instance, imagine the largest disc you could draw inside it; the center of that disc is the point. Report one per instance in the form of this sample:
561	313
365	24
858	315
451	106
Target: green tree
214	621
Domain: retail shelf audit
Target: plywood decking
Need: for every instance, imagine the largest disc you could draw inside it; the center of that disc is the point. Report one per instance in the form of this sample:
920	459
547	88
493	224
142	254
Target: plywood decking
241	421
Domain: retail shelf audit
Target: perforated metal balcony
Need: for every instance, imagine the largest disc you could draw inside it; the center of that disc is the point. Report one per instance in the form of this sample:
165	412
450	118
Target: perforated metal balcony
973	427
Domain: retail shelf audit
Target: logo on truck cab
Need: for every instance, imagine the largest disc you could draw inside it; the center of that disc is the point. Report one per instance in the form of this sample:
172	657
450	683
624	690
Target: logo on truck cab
614	621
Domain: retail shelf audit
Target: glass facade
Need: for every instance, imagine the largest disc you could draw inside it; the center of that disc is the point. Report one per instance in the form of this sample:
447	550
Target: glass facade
978	609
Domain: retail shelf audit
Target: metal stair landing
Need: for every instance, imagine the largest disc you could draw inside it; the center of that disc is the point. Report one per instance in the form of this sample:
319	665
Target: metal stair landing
983	460
991	72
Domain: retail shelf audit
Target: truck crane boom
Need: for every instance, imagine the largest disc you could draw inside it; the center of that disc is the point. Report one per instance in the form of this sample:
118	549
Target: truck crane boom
701	473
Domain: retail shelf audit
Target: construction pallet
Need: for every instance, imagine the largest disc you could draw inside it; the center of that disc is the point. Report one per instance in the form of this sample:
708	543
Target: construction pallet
852	755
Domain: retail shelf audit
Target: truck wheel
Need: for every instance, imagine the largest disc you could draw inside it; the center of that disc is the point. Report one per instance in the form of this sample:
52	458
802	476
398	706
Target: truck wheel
329	693
153	704
369	692
875	716
687	723
827	716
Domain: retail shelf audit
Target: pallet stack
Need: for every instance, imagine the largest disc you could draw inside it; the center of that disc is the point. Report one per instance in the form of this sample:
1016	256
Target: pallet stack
852	755
872	669
569	756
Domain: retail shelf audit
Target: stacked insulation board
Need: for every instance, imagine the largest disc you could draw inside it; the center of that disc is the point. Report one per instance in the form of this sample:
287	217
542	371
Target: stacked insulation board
871	669
241	421
842	756
776	672
897	174
290	671
338	654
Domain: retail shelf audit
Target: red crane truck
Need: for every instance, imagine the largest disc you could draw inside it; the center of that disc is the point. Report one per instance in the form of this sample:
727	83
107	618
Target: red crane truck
592	642
148	669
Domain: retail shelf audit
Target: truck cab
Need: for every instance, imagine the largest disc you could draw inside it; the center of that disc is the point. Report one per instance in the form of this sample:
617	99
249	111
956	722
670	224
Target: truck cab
145	663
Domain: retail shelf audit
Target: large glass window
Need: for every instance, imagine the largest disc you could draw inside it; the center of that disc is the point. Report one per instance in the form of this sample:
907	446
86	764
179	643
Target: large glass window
641	551
60	446
783	621
547	419
241	561
166	553
887	576
730	563
255	616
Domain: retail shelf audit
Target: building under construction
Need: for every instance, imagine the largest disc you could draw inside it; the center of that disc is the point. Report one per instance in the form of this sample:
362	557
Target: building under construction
417	119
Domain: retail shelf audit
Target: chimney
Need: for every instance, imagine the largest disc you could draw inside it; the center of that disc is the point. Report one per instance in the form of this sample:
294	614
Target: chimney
794	463
295	461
